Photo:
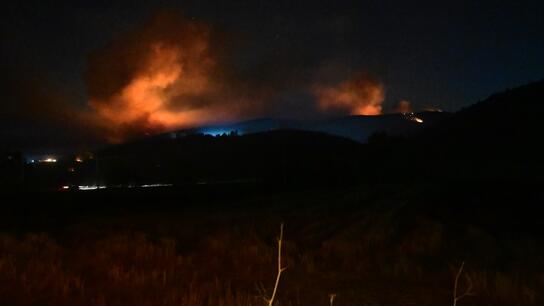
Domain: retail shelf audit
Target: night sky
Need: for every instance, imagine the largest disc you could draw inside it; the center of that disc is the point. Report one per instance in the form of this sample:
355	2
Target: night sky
441	54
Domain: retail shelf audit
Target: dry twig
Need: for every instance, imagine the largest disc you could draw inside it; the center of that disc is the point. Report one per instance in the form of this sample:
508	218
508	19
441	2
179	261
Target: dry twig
468	290
281	268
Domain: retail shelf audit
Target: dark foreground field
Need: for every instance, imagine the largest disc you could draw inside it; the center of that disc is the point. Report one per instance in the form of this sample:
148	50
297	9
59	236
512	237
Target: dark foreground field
368	245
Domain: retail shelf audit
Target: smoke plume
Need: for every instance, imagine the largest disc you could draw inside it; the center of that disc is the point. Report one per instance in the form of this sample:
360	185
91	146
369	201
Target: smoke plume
166	74
359	95
173	72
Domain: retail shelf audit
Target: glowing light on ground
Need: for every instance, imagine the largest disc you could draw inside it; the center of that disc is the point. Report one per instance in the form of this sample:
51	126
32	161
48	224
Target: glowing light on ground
90	187
412	117
218	131
155	185
97	187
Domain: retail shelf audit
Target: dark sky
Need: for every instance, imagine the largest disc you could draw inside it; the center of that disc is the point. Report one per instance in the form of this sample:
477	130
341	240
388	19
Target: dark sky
445	54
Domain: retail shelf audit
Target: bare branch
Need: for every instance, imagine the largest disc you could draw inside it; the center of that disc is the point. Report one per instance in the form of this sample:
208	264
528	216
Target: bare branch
332	296
468	290
280	269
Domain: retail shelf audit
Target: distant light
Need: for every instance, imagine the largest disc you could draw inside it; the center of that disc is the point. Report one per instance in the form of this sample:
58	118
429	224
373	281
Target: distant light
155	185
90	187
87	187
412	117
49	160
219	132
65	187
433	109
79	159
216	133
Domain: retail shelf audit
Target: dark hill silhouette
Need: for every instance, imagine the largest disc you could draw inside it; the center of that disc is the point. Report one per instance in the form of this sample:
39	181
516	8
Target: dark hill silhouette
268	150
499	137
282	156
513	116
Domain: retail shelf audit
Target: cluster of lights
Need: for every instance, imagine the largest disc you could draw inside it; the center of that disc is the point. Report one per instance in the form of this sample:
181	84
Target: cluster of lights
90	187
96	187
45	160
52	159
412	117
215	132
155	185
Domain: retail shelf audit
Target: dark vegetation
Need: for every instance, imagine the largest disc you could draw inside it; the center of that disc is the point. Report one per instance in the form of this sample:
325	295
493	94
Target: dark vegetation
370	245
277	157
384	223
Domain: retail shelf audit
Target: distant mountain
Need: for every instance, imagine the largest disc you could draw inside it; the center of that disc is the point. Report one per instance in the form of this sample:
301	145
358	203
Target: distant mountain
499	138
357	128
360	128
263	150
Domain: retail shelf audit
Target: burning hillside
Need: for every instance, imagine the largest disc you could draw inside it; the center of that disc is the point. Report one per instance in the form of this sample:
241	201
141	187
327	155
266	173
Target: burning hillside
164	75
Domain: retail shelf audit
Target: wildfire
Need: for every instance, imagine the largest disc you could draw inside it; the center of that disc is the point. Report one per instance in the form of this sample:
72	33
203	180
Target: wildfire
160	77
170	73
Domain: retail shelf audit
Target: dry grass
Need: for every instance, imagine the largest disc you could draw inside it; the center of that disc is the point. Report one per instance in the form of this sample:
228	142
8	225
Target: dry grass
375	258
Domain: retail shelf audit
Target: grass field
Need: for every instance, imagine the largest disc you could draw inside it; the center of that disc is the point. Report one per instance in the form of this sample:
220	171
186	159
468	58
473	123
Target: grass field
371	245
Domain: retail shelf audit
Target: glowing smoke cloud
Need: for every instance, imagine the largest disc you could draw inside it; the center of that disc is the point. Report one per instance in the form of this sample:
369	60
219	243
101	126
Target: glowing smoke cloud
173	73
162	76
360	95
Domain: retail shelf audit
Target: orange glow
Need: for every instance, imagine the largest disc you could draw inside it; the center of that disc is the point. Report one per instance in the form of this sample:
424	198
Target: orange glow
360	95
172	73
146	99
145	94
161	77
